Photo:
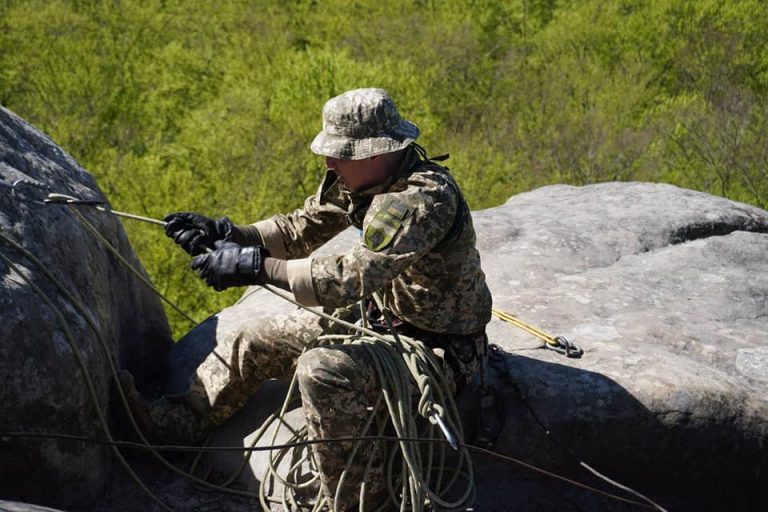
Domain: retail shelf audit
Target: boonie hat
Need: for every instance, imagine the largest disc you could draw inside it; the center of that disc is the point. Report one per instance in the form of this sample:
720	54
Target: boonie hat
362	123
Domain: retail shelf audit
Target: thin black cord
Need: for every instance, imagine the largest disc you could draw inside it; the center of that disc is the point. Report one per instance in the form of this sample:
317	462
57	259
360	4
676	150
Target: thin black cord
214	449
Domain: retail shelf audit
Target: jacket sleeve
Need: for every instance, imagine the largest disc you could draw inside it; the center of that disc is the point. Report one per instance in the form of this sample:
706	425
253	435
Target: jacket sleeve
398	229
297	234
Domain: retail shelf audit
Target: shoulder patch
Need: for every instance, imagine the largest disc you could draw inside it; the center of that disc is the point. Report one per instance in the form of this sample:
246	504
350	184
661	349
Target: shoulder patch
385	225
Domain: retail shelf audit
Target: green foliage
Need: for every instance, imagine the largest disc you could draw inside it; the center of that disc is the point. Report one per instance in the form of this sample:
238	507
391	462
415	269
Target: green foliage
210	107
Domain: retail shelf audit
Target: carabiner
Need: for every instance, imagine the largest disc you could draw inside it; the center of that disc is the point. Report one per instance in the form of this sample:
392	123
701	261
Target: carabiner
565	347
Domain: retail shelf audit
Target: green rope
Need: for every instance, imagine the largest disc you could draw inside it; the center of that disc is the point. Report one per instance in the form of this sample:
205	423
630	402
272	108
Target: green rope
402	363
86	376
400	394
95	233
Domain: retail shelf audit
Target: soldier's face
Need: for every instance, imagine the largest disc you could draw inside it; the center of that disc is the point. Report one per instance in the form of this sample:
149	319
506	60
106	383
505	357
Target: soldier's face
355	174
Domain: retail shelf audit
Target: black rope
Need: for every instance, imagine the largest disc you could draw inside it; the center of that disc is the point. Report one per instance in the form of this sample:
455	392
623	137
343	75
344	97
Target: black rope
497	359
299	444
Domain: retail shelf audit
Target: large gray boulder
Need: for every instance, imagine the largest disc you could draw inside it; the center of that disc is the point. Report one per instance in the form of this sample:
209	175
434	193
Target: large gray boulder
665	289
42	387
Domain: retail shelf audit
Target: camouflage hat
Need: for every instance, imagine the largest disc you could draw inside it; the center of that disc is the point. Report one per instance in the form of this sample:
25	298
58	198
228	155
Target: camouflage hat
362	123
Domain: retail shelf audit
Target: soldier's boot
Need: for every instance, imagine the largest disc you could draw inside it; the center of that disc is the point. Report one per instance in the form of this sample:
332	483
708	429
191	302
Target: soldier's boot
177	420
168	420
372	503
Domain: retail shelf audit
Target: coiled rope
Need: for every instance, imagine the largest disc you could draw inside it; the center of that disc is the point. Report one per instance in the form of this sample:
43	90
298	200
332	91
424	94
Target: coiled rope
402	364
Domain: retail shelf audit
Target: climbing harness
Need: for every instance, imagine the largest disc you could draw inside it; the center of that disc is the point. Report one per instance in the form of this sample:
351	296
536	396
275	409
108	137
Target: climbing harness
399	360
559	344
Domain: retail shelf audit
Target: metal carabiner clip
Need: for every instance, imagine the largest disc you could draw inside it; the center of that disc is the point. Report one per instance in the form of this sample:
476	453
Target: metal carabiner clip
565	347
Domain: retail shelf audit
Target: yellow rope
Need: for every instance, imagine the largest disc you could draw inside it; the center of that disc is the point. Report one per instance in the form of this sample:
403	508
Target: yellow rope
517	322
557	343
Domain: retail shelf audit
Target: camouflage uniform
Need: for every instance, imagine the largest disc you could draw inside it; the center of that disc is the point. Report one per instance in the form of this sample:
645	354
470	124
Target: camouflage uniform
417	248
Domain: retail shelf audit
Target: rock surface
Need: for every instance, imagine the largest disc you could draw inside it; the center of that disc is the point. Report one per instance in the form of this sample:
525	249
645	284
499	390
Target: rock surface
42	388
667	292
665	289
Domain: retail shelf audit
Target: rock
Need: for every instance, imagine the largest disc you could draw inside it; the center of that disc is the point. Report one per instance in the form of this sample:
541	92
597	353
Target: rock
42	388
15	506
667	292
665	289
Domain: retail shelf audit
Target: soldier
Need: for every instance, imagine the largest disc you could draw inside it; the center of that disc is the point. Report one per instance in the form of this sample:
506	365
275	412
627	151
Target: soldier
417	248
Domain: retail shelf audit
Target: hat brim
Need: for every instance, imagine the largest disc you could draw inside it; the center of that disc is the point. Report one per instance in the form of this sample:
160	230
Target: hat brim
348	148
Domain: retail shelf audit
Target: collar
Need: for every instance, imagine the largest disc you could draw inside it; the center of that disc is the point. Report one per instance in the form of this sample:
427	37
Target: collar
410	161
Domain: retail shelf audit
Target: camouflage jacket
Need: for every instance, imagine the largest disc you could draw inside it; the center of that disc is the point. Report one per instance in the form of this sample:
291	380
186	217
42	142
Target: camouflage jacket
417	247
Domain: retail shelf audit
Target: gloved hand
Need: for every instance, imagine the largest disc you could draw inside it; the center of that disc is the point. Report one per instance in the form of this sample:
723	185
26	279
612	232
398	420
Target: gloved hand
230	265
194	233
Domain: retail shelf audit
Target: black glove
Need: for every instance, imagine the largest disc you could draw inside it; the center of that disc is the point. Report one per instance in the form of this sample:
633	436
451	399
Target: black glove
194	233
230	265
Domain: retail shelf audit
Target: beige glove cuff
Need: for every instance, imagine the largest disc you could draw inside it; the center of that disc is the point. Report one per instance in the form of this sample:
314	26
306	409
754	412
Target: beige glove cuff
271	237
300	281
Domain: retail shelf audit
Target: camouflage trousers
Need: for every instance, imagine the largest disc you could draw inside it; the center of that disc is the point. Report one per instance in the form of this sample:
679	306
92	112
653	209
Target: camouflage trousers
338	385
